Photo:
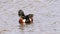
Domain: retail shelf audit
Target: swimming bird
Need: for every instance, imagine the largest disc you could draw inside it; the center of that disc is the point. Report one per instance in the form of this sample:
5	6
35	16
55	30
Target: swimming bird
25	19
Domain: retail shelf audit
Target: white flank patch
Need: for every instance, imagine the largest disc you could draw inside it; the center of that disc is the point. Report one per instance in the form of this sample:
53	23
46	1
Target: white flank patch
24	21
30	19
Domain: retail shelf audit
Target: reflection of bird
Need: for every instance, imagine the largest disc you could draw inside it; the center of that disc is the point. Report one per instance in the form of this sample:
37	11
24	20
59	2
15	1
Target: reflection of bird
25	19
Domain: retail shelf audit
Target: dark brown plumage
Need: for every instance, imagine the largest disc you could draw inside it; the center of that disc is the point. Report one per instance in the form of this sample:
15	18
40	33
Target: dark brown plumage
25	19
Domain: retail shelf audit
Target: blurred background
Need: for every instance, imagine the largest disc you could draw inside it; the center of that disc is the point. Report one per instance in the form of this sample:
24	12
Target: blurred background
46	16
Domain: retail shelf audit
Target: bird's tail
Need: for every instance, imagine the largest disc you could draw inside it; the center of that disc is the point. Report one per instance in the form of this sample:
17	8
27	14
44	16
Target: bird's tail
30	15
21	13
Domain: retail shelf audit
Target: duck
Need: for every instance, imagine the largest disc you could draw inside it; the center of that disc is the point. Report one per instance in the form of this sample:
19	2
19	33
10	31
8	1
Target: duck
25	19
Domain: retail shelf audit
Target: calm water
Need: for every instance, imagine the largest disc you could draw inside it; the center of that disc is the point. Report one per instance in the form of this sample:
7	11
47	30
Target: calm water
46	16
